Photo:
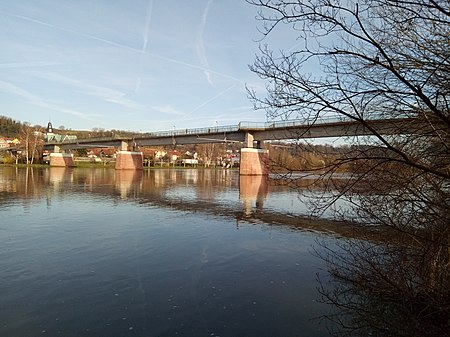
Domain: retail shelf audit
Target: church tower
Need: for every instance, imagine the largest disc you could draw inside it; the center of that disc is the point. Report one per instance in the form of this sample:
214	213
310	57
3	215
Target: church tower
49	127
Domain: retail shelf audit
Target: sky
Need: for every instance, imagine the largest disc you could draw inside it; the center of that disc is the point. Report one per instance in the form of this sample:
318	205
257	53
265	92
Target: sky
140	65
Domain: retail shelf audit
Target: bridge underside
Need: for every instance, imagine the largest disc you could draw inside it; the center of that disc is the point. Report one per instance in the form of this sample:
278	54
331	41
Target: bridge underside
254	159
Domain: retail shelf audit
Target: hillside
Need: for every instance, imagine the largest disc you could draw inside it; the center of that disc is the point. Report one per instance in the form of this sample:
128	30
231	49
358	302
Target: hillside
9	128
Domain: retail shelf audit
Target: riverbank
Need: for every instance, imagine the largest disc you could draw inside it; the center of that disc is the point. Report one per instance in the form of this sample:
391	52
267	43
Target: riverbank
111	166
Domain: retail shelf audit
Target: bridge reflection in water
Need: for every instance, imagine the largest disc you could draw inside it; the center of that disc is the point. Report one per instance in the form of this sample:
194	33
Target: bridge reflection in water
221	193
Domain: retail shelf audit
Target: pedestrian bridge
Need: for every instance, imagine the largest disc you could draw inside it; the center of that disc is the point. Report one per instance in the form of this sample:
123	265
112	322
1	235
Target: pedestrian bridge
251	134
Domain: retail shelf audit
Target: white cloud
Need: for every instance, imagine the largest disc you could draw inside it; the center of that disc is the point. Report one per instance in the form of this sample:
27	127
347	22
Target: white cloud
106	94
30	64
38	101
167	109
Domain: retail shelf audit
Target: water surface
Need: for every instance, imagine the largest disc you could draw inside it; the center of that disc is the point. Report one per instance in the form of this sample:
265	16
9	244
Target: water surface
99	252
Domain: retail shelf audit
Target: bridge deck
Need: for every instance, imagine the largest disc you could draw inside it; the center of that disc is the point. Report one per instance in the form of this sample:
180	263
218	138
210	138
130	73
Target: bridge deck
292	129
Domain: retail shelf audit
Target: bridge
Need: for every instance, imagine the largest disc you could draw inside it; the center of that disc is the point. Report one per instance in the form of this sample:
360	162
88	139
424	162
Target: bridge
254	158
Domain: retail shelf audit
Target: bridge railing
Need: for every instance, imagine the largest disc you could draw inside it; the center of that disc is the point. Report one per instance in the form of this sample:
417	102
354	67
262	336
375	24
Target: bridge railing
292	122
327	119
241	126
189	132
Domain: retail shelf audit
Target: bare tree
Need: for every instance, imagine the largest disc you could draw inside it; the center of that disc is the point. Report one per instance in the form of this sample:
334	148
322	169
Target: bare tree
25	135
30	141
208	152
379	60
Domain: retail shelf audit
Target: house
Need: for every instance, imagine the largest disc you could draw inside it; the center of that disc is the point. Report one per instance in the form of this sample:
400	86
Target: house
3	143
8	142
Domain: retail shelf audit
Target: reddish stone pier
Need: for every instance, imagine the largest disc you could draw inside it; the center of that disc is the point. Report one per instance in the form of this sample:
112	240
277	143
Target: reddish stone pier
129	160
254	160
61	159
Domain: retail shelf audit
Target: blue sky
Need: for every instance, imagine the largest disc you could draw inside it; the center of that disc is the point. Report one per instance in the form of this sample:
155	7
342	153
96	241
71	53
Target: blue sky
141	65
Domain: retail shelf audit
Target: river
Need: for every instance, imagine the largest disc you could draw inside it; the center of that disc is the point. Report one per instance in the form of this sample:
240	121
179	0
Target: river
99	252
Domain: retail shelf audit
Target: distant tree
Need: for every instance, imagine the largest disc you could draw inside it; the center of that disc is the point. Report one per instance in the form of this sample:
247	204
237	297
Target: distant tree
9	127
288	157
208	153
379	59
81	152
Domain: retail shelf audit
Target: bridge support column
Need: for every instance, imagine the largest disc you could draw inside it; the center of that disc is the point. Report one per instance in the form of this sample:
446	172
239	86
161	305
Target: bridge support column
61	159
129	160
123	146
254	162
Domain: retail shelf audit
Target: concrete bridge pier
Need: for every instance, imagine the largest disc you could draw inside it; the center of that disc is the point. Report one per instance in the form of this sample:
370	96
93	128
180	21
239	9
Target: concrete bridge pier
254	160
61	159
129	160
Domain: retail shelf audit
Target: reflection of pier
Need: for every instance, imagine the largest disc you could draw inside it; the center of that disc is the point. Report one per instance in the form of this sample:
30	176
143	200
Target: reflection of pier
252	189
128	182
59	175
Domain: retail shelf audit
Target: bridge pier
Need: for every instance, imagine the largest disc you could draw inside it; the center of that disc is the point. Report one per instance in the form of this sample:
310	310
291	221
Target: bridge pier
60	159
129	160
254	161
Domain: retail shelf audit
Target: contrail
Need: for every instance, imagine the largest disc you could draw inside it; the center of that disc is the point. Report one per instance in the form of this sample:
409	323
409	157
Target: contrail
200	46
89	36
210	100
145	35
190	65
93	37
147	25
